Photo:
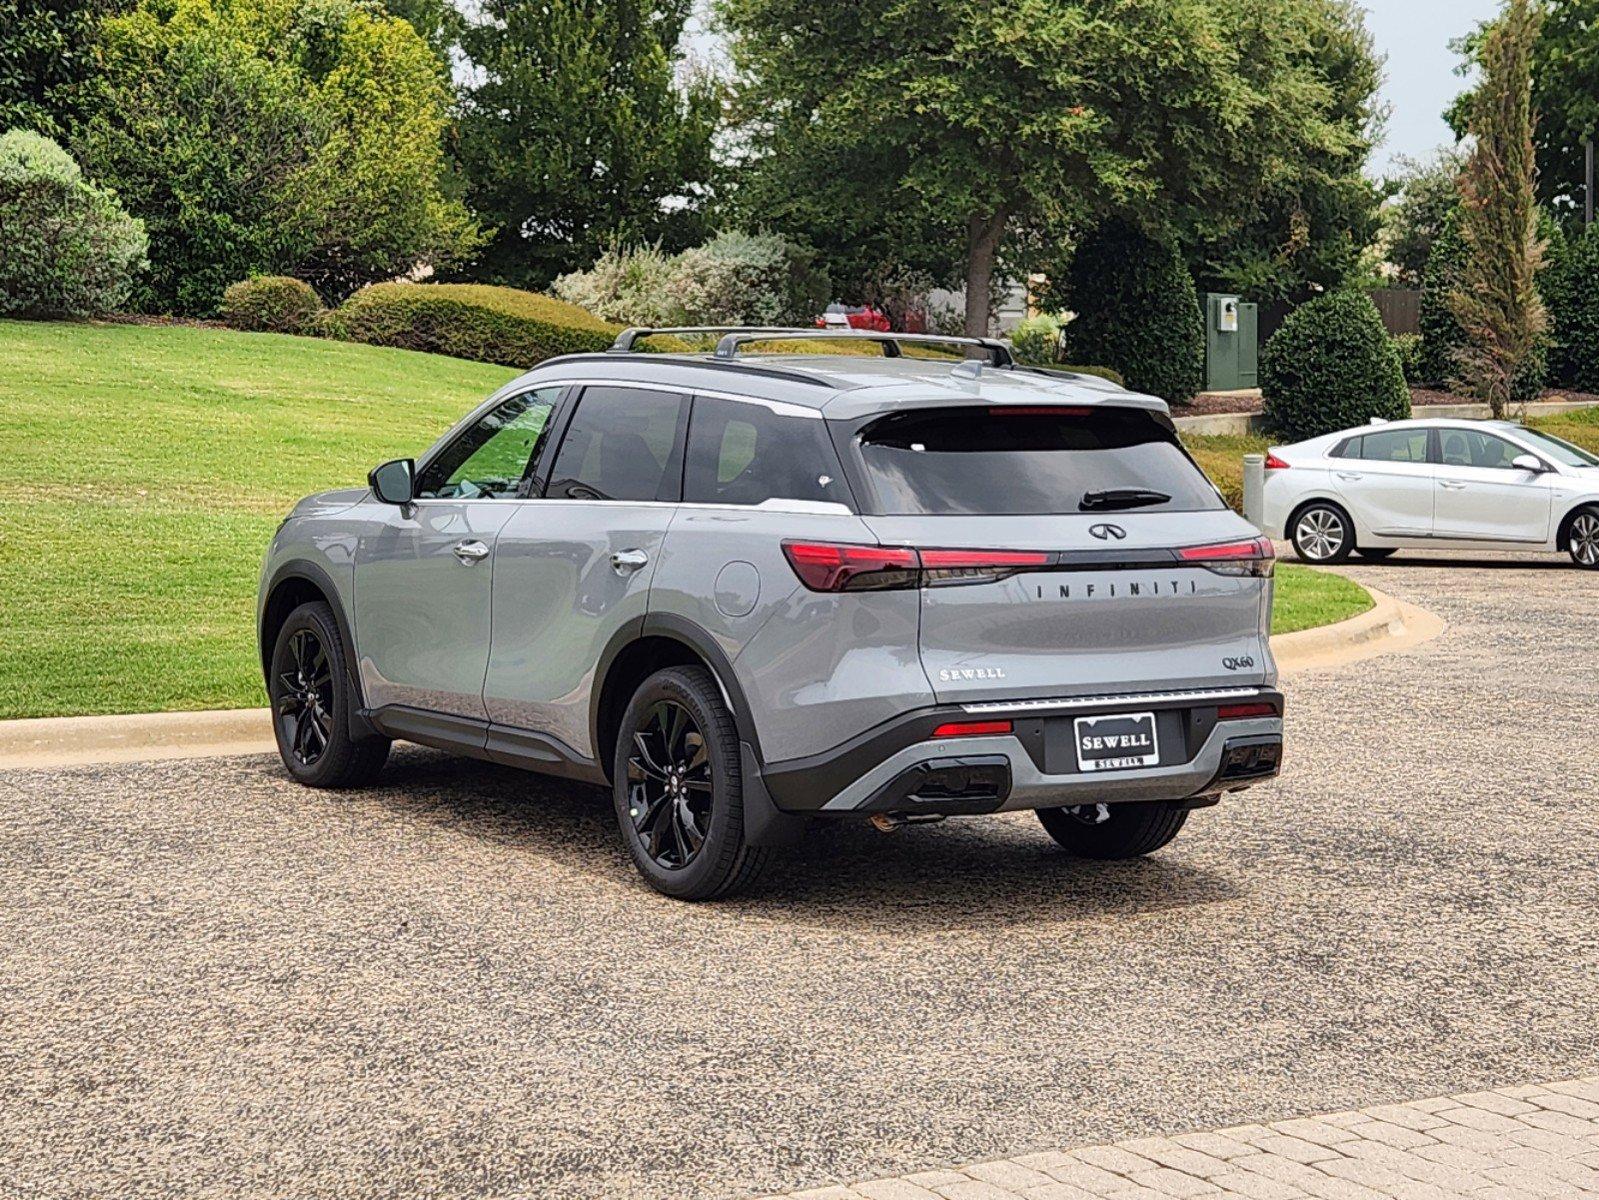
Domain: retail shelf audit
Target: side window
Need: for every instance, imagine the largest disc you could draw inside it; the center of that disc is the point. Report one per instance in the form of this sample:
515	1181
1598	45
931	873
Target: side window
741	453
1401	446
622	444
493	460
1348	448
1468	448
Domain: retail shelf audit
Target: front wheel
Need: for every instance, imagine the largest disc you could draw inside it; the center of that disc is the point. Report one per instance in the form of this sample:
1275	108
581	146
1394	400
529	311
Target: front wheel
1323	533
311	695
678	788
1109	831
1583	541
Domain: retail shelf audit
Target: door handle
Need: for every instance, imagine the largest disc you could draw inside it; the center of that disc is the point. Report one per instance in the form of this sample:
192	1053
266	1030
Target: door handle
1350	475
1451	484
626	562
470	552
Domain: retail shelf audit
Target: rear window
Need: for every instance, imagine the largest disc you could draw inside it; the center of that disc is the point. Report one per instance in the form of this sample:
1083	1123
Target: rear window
996	461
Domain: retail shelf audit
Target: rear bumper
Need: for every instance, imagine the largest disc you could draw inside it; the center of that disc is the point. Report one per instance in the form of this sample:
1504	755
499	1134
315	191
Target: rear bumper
901	768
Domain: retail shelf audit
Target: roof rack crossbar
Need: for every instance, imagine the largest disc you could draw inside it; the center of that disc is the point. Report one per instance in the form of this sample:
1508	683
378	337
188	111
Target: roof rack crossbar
625	340
999	354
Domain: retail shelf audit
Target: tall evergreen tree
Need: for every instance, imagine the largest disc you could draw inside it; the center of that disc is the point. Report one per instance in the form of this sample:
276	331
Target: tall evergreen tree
578	133
1496	301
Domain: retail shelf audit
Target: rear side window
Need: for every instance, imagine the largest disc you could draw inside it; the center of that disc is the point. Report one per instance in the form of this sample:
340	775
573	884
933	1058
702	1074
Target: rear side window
621	445
1399	445
741	453
1027	461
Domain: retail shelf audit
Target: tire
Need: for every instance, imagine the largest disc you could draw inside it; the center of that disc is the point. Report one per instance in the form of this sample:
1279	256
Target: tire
1376	553
311	694
678	788
1128	831
1582	539
1322	533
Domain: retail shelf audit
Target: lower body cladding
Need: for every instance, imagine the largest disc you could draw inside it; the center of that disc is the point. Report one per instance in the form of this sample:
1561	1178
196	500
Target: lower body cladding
1099	750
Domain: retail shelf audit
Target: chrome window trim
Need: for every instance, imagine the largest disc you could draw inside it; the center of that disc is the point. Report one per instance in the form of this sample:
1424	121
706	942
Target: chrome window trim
822	508
1198	696
781	407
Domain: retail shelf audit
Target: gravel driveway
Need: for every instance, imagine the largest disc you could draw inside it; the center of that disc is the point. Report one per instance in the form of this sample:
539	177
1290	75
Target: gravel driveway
215	983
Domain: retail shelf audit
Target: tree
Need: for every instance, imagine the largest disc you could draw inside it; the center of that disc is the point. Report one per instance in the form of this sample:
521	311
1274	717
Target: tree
1427	193
46	49
578	135
1496	301
272	137
982	119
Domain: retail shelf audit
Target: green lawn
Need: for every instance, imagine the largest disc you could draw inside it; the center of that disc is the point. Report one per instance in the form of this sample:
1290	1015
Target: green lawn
1306	598
148	465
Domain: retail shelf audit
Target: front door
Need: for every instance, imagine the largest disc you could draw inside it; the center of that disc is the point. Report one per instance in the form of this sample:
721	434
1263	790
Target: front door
424	573
1481	497
1385	479
573	568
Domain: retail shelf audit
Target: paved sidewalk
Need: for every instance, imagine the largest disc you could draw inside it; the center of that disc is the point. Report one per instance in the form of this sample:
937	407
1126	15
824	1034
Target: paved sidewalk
1539	1142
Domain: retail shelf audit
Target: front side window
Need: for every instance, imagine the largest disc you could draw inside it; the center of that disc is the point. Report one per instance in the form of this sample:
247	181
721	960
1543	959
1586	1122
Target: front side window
1399	445
622	444
1030	460
494	459
1562	451
745	453
1468	448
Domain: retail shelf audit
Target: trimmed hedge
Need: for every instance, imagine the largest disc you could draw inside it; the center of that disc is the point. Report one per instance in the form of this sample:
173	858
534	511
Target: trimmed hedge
272	304
468	320
1409	348
1330	366
1137	312
1570	288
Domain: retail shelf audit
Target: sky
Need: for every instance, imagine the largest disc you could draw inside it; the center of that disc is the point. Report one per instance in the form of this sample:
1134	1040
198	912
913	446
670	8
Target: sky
1415	37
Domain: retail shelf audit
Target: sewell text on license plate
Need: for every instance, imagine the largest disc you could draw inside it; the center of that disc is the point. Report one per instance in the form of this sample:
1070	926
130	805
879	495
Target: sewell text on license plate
1116	742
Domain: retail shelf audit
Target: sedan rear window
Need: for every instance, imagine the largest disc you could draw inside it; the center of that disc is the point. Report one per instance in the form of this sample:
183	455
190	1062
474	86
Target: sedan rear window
999	460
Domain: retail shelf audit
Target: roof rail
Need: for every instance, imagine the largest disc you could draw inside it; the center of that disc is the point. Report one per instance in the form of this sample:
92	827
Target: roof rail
999	354
626	339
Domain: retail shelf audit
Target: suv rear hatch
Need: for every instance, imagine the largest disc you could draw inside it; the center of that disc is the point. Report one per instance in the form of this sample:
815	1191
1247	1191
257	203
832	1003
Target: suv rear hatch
1065	551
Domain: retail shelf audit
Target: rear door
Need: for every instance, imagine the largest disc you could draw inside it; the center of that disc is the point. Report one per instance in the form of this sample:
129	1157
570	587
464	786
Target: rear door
1386	479
1066	551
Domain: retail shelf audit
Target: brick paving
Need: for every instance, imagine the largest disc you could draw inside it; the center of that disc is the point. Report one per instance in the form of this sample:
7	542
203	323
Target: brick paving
1537	1142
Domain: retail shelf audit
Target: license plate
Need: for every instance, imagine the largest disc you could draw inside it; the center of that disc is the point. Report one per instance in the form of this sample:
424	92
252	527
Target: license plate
1116	743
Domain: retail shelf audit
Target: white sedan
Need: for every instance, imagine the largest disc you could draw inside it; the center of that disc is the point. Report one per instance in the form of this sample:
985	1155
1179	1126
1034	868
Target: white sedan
1433	483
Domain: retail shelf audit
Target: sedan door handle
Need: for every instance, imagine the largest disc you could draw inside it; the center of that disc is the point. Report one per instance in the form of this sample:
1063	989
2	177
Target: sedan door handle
627	561
1451	484
1350	475
470	552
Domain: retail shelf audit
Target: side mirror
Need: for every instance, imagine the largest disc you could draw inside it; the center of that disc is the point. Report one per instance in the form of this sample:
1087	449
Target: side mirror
1528	462
394	482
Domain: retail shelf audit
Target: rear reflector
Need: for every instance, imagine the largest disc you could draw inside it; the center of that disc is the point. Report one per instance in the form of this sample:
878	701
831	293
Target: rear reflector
972	729
1231	712
1273	463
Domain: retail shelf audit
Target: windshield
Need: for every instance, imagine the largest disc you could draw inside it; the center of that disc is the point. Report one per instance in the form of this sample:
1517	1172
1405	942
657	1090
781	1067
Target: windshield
1000	460
1562	451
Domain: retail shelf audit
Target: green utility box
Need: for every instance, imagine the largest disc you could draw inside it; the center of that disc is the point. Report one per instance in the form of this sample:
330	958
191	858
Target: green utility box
1231	358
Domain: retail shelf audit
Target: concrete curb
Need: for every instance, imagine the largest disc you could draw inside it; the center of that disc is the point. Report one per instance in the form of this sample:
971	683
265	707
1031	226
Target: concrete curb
46	742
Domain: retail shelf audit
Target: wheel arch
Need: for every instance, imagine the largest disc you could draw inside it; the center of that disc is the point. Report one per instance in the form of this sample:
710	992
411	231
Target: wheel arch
298	582
639	649
1563	530
1330	501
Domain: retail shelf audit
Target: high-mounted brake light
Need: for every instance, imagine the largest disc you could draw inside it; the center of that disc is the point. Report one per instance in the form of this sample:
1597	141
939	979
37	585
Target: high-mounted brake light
972	729
1256	556
1038	410
1231	712
829	567
1273	463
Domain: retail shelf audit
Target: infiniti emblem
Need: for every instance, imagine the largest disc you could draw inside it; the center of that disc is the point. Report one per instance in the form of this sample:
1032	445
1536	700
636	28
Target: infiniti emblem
1104	532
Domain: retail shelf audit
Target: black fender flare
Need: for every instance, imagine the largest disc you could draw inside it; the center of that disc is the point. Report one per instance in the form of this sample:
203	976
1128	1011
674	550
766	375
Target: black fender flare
303	569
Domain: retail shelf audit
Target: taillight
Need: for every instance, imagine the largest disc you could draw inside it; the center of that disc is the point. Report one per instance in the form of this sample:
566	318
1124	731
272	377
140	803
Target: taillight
828	567
1231	712
832	567
1273	463
972	729
1252	557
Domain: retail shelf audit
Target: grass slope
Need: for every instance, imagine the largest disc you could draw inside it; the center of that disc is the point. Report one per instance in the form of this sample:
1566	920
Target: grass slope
149	465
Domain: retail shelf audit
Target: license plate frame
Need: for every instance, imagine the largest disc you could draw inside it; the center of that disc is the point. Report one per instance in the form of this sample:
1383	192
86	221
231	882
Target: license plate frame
1138	737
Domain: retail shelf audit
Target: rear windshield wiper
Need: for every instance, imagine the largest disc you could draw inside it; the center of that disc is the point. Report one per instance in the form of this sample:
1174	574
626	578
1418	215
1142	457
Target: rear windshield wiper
1121	498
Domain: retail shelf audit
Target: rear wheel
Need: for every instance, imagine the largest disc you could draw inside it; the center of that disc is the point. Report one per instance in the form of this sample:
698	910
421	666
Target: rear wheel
1107	831
678	788
1583	540
1375	553
311	695
1322	533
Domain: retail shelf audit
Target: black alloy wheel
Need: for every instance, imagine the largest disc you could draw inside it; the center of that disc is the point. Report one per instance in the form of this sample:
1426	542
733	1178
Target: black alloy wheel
669	785
305	699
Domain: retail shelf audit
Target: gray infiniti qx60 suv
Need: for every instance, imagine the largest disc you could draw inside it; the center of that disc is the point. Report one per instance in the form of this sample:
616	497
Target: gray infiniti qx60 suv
751	592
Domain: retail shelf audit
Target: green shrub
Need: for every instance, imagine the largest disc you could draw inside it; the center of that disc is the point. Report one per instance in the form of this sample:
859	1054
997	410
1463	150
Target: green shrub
1137	312
68	250
491	324
1330	366
632	286
1101	372
272	304
1408	347
1036	341
1570	288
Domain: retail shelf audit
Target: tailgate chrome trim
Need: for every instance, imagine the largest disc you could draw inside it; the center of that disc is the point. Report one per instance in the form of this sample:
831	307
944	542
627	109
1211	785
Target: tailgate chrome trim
1128	698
